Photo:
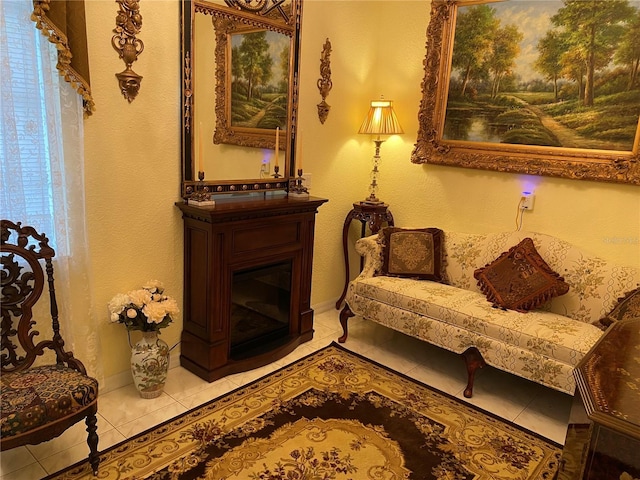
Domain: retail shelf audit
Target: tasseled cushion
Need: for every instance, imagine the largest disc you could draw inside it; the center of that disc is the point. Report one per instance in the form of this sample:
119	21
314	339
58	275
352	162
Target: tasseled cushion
519	279
41	394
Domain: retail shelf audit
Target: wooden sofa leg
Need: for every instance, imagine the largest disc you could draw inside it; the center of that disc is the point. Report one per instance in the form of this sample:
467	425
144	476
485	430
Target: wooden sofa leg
345	314
473	359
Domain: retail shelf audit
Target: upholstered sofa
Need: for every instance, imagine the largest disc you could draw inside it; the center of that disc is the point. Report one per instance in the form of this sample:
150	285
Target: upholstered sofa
543	344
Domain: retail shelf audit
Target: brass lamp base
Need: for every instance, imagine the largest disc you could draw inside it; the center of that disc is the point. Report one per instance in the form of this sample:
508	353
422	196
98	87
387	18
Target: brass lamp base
371	200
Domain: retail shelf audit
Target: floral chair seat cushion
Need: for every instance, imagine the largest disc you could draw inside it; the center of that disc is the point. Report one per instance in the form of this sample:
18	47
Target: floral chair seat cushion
545	333
41	394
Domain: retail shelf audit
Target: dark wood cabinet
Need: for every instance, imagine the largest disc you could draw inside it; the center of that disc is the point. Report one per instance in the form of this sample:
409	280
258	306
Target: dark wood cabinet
264	240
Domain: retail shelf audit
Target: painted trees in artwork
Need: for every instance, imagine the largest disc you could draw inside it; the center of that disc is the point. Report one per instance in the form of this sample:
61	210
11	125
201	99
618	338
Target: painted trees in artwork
591	29
284	67
475	30
628	52
485	49
557	73
551	49
253	62
505	49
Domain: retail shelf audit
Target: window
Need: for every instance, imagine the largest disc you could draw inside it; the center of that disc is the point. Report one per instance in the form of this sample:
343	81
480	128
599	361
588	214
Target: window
31	134
42	165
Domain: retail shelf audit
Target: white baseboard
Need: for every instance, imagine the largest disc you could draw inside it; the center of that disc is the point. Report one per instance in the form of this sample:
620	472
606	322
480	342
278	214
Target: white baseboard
324	306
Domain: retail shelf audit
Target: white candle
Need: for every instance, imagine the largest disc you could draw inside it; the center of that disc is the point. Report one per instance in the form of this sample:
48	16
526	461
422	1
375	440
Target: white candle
277	145
299	162
200	169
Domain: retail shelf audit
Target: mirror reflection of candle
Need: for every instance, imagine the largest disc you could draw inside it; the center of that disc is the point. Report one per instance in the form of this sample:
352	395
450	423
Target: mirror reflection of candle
299	161
277	145
200	169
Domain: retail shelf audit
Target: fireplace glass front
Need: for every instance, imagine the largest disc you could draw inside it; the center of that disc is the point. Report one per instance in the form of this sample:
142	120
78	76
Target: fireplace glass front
260	306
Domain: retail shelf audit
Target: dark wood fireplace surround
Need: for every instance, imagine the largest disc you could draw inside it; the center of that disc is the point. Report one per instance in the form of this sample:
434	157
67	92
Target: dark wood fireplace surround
236	235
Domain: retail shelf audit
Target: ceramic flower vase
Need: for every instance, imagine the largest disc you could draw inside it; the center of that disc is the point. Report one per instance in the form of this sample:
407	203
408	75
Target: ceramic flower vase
150	364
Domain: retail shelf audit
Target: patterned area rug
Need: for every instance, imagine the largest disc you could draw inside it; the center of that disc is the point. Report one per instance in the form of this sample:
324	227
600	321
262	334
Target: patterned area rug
332	415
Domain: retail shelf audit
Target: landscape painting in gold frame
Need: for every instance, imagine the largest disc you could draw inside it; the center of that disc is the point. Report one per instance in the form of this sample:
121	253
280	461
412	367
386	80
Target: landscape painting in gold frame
253	79
514	86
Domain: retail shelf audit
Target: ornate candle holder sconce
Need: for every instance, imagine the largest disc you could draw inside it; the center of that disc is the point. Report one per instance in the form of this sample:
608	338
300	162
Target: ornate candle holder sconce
298	190
128	25
276	170
324	82
202	196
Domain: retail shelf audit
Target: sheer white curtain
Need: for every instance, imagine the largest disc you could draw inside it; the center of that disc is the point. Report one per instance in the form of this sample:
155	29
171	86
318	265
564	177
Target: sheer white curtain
41	162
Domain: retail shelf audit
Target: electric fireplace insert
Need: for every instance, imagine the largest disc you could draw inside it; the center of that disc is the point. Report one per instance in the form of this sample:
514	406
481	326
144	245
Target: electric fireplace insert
260	307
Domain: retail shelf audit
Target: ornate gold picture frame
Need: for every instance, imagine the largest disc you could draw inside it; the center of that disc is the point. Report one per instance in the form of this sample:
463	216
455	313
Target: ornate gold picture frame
253	91
527	139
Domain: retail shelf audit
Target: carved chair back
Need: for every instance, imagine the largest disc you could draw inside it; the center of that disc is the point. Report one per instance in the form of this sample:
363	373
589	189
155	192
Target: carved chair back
42	400
23	283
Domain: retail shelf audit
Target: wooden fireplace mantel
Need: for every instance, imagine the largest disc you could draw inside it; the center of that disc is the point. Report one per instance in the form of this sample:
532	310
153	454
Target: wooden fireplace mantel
233	235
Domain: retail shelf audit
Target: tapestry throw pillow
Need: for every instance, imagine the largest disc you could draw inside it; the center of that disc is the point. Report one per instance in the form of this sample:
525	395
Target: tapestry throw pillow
412	253
628	307
519	279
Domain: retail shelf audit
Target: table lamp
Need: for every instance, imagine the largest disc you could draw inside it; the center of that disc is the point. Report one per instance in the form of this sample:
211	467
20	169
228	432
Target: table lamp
381	120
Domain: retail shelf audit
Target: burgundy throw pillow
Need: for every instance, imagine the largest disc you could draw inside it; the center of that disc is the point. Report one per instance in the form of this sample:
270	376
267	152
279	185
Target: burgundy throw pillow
519	279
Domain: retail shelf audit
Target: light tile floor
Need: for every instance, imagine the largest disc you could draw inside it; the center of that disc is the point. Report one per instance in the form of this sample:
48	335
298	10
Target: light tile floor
123	414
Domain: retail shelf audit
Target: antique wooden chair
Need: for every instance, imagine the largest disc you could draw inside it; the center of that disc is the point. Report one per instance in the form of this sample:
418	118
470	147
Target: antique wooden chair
39	402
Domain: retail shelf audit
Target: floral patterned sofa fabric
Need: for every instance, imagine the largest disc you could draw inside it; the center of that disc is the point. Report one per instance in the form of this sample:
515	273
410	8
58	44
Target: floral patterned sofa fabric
543	345
546	333
594	284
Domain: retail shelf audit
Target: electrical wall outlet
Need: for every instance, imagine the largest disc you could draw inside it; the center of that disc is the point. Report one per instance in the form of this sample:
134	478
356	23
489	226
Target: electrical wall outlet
526	202
306	179
265	168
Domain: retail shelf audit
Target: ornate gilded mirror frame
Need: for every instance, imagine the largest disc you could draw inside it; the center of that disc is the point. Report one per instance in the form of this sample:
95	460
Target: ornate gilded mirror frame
433	146
279	16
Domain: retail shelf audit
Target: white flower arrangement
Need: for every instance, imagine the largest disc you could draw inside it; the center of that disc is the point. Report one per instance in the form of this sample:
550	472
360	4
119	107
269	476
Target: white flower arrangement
147	309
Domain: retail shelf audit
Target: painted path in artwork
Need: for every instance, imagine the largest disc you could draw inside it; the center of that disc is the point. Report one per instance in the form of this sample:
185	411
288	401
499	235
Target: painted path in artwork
254	121
568	137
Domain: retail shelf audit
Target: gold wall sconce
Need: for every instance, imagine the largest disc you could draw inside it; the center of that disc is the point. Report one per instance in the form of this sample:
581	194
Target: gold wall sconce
128	25
324	82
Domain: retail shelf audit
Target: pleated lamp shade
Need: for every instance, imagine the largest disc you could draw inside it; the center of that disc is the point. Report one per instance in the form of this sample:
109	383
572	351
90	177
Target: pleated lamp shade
381	119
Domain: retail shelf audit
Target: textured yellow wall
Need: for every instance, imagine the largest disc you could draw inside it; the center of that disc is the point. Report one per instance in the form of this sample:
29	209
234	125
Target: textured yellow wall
133	158
132	153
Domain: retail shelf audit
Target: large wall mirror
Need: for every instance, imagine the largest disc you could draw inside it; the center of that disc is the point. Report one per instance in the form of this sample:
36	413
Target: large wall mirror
240	64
